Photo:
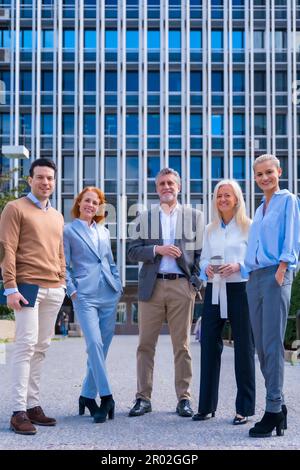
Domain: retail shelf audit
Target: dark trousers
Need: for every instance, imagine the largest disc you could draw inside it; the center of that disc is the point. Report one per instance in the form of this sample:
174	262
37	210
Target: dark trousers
212	346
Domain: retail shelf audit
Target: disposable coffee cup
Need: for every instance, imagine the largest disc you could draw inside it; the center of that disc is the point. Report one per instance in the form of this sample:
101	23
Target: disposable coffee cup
216	262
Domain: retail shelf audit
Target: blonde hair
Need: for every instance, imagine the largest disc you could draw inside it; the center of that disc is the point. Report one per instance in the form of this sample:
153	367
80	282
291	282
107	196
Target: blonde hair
266	157
75	209
240	209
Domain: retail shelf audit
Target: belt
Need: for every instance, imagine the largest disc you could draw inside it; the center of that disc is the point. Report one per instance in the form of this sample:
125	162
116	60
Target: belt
170	276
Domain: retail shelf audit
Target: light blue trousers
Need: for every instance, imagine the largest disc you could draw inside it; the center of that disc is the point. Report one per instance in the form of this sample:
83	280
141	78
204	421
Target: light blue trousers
97	318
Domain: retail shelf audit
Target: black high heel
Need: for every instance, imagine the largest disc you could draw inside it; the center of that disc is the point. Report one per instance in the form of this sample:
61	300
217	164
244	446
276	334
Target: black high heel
203	416
284	411
90	403
107	408
269	422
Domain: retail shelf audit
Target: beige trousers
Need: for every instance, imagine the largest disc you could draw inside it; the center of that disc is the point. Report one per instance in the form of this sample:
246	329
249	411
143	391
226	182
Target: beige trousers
34	329
171	301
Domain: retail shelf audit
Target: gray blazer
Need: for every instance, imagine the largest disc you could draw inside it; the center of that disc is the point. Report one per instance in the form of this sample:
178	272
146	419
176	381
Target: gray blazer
147	232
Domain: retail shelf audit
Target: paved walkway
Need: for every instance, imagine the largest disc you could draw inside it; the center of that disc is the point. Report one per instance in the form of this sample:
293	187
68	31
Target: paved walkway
161	429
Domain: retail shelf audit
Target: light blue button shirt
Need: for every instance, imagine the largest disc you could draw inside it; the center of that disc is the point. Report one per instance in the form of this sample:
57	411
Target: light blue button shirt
35	201
275	235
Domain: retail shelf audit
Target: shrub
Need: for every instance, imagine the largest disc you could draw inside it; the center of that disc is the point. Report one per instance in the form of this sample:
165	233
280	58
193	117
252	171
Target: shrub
6	313
291	333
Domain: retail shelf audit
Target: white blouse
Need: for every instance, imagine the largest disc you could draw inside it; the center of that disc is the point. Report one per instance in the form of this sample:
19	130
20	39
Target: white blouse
229	242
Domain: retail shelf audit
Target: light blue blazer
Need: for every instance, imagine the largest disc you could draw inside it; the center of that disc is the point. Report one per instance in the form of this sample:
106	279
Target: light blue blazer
86	265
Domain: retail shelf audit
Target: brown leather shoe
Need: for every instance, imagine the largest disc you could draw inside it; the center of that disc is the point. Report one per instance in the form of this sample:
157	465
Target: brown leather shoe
21	424
37	416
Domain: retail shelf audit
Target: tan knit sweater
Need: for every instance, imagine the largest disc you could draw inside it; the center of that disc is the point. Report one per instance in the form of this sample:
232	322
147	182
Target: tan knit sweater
33	243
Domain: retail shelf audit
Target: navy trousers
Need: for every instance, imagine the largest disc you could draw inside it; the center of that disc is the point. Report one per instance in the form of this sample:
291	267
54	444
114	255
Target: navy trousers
212	346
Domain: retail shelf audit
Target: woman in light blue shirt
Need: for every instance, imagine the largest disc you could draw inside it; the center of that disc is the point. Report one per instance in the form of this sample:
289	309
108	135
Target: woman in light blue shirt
272	255
94	285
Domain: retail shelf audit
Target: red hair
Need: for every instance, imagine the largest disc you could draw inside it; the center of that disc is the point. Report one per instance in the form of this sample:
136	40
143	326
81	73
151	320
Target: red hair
75	209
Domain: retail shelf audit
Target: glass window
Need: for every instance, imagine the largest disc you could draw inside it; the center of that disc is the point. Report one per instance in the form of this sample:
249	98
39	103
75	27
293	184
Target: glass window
238	81
238	39
132	124
259	39
217	81
132	168
281	124
68	167
110	167
238	124
280	40
174	81
5	38
68	39
4	123
153	124
111	81
217	167
259	81
25	123
260	124
47	39
111	39
89	167
25	81
217	124
281	81
239	168
68	83
111	124
5	78
26	38
196	81
175	163
217	39
47	81
174	124
67	123
174	39
132	39
153	39
196	167
153	81
46	123
195	39
89	81
132	81
196	124
90	39
89	124
153	166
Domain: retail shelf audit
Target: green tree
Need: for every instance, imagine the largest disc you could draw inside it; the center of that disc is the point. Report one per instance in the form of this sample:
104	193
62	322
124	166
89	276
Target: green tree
8	193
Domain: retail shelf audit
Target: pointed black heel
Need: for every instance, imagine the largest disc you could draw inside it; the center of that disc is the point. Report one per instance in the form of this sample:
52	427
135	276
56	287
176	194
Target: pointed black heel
106	409
269	422
284	411
203	416
90	403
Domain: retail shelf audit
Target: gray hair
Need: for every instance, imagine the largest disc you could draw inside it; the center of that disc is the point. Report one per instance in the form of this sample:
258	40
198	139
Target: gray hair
266	157
168	171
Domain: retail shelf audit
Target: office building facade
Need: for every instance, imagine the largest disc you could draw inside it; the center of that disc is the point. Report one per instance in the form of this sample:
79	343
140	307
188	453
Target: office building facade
113	90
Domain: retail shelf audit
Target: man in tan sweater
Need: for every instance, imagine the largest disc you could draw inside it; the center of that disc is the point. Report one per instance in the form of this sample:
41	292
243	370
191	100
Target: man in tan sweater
31	232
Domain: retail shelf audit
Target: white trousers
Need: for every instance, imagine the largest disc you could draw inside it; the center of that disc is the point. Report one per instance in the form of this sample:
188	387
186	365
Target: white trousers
34	329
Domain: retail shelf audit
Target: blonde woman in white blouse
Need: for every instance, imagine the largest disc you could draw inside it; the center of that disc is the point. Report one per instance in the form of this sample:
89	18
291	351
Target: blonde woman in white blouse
226	239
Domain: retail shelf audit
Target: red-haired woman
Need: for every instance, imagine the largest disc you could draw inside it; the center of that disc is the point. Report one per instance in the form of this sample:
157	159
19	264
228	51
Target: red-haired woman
94	285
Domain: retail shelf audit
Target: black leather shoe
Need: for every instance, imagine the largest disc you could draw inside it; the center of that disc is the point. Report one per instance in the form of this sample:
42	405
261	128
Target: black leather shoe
284	411
269	422
240	419
140	407
90	403
203	416
184	409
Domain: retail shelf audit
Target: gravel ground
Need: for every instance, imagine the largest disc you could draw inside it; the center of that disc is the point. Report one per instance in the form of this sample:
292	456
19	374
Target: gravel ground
162	429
